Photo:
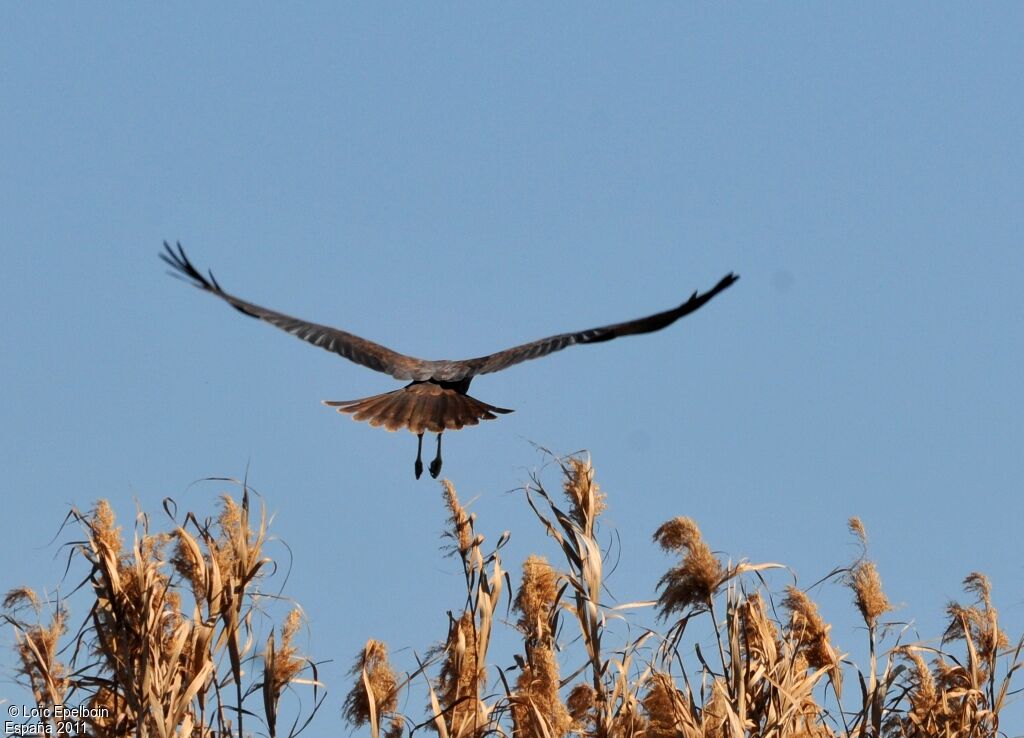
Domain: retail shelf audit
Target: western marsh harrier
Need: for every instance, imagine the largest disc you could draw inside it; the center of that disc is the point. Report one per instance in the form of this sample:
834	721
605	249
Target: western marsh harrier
435	399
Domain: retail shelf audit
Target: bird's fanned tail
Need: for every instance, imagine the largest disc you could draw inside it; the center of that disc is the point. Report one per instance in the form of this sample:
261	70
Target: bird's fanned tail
419	407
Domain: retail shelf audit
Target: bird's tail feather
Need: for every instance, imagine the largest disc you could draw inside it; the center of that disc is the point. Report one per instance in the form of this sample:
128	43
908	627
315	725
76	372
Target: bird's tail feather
419	407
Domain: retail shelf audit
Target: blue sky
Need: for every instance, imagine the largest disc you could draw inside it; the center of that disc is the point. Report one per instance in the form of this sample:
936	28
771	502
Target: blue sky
452	181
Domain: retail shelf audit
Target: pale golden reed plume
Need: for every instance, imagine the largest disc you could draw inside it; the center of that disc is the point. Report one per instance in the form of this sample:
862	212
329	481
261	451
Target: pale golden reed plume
586	500
374	694
289	663
696	579
868	595
538	710
281	665
856	526
460	523
980	622
809	631
234	539
536	599
106	535
865	581
921	692
667	710
20	597
37	646
581	704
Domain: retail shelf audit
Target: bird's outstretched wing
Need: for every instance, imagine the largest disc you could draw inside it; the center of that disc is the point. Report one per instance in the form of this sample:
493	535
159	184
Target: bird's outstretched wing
400	366
543	347
352	347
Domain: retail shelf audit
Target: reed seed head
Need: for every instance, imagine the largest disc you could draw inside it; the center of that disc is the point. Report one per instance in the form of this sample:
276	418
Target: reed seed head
663	706
372	662
19	596
287	663
809	630
537	684
923	693
978	623
868	594
857	528
460	523
37	648
536	597
582	705
586	500
696	579
105	532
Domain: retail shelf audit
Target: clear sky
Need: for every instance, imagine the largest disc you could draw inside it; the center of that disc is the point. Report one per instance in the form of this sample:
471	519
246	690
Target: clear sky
454	180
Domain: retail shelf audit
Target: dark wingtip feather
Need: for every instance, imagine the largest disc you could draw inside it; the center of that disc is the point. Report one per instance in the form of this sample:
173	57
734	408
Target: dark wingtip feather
181	264
724	283
185	270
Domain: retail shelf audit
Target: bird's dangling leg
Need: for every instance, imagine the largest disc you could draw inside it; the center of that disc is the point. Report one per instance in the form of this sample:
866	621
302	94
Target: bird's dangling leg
419	455
435	465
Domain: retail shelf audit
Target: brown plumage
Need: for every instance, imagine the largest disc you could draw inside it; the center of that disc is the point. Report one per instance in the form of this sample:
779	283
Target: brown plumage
435	400
420	407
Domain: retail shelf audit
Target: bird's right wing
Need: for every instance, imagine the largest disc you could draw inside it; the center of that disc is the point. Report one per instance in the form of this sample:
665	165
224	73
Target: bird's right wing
545	346
354	348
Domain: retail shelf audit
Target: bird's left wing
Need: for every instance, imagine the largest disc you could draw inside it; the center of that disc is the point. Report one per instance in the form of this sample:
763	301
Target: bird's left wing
352	347
545	346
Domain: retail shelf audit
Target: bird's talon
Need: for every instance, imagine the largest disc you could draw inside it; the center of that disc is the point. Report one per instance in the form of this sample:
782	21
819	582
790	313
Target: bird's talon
419	468
435	468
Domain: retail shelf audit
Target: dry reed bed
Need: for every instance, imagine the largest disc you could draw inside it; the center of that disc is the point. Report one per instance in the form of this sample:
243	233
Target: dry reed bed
169	645
771	676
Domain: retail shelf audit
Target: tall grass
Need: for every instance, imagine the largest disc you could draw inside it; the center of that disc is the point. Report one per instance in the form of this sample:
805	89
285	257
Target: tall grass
169	645
771	669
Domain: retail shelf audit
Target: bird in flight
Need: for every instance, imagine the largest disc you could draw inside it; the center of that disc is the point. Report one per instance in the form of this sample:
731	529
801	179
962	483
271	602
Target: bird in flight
435	399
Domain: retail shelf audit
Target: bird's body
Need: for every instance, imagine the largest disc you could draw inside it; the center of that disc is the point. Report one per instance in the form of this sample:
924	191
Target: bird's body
436	398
